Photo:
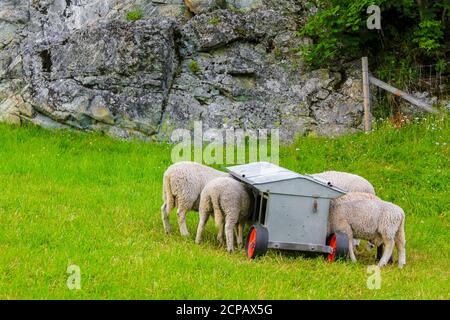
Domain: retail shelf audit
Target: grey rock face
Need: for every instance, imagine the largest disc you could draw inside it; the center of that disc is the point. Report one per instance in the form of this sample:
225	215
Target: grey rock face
209	31
81	64
114	73
202	6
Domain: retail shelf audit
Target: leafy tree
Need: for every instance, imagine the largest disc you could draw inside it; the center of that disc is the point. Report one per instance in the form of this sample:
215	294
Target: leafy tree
416	30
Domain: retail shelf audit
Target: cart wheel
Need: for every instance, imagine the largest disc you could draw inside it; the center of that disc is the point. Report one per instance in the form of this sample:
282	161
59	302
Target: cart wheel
339	242
257	241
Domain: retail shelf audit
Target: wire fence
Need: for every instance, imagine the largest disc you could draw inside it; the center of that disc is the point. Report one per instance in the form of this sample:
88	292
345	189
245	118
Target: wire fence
430	82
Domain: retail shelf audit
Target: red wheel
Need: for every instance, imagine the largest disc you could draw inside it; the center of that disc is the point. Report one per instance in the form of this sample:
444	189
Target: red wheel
257	241
332	244
339	243
251	243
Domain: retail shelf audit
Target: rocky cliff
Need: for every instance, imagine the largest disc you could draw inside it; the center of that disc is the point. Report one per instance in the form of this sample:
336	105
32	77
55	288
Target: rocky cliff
142	68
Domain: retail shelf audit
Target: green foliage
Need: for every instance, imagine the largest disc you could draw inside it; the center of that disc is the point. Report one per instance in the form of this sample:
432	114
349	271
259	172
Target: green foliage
86	199
414	33
429	35
339	27
214	21
194	67
134	15
441	66
277	52
399	73
411	29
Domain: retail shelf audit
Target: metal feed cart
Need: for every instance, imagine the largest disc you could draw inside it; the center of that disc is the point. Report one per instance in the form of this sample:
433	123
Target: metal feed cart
290	211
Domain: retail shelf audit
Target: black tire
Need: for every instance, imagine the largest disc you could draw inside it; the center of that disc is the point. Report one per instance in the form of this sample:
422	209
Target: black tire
340	245
257	241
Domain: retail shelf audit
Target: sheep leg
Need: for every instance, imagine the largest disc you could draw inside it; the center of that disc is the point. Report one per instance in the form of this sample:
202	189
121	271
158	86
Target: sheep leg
236	235
165	219
351	250
380	250
220	227
201	227
400	243
229	234
348	231
401	255
240	234
387	252
218	218
182	222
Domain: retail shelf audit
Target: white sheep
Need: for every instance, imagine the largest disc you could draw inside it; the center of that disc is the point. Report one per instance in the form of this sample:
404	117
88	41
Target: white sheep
349	182
374	220
228	200
346	181
183	183
353	196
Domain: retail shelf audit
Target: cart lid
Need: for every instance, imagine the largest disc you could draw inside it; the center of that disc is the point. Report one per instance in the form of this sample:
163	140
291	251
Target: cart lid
262	172
270	177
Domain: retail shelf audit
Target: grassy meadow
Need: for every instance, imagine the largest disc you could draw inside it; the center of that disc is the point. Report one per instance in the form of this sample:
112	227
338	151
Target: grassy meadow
87	199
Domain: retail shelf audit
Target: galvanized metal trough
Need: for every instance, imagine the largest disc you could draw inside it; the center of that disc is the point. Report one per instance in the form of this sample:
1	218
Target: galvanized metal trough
290	210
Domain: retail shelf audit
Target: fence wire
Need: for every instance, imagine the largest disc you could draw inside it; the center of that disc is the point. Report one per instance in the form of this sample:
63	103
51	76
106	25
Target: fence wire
430	82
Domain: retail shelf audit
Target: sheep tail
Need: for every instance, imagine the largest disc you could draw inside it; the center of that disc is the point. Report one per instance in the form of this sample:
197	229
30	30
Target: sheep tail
218	217
168	197
400	236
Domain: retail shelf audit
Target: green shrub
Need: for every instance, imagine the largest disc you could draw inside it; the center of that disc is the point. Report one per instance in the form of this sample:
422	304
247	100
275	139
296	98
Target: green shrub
429	35
194	67
214	21
410	29
277	52
134	15
339	28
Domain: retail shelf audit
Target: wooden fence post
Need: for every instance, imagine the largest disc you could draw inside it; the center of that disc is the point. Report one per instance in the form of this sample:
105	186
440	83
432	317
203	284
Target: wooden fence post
366	91
399	93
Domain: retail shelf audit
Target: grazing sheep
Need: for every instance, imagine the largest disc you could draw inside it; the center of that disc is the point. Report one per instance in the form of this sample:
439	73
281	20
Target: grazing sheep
353	196
228	200
346	181
182	184
375	220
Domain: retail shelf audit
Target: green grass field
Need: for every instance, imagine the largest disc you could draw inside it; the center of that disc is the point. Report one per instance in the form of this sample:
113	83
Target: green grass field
72	198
